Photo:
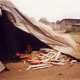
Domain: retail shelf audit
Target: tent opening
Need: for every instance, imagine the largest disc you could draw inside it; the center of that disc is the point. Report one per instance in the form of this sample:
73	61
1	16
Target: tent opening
13	40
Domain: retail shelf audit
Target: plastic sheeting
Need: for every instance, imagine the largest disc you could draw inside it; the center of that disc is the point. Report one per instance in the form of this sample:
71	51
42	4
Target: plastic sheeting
42	32
1	66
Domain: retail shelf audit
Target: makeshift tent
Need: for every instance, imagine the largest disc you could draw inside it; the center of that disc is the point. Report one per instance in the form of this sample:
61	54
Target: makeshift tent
18	30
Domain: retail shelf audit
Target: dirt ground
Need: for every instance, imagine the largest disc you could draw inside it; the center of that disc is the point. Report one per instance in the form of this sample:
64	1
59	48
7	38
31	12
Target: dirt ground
18	70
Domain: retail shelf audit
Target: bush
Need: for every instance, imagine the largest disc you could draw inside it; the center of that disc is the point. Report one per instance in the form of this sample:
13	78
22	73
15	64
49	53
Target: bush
73	29
77	30
69	30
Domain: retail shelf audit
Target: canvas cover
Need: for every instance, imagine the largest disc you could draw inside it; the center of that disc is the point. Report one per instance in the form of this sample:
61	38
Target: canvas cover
44	33
1	66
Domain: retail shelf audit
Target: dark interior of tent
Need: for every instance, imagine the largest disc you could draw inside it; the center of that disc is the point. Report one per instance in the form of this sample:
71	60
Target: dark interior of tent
13	39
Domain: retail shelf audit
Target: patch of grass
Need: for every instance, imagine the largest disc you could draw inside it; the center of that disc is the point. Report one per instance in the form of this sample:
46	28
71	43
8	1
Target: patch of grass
69	30
75	33
56	29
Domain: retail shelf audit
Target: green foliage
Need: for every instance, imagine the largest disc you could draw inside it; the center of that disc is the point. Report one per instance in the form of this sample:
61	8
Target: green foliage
73	31
77	30
44	20
57	22
69	30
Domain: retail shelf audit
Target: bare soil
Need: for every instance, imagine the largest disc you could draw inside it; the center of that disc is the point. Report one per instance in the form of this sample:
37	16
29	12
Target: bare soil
18	70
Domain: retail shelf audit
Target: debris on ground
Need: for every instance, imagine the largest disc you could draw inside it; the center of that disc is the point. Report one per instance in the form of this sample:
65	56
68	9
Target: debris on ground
48	57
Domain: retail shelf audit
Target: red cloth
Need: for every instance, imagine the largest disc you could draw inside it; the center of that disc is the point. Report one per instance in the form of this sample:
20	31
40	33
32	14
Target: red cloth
32	62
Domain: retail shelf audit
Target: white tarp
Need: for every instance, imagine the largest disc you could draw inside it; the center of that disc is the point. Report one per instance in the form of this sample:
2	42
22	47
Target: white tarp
61	43
0	12
1	66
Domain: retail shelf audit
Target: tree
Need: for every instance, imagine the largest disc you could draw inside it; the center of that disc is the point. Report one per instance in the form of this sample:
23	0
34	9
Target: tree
57	22
44	20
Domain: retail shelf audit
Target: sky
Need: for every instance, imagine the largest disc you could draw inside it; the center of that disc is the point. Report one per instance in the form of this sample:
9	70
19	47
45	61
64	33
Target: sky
53	10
